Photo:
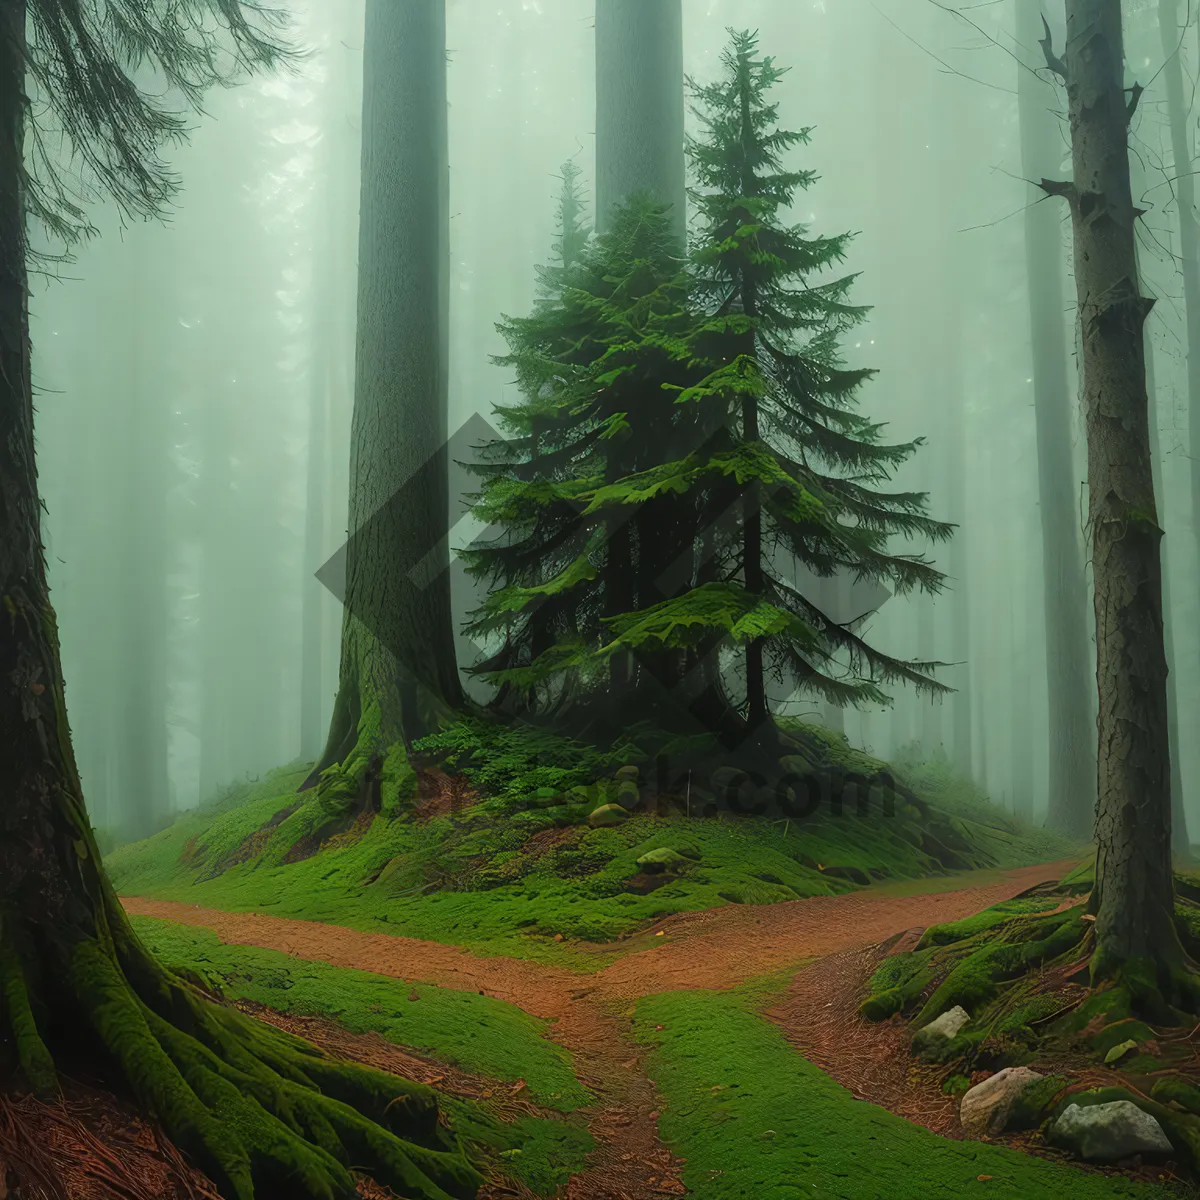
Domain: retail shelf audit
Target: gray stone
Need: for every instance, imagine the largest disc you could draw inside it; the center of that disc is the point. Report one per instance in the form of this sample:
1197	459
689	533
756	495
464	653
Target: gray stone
985	1108
944	1028
1109	1132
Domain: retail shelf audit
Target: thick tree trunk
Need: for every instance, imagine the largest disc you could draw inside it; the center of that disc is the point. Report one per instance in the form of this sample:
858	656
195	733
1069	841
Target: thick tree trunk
639	106
1179	832
1071	791
261	1112
399	672
1133	897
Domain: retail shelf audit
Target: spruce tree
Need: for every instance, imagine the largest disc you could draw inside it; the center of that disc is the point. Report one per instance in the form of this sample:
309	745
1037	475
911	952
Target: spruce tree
809	466
590	361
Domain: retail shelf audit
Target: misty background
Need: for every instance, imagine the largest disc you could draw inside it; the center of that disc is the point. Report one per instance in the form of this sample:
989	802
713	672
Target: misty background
194	380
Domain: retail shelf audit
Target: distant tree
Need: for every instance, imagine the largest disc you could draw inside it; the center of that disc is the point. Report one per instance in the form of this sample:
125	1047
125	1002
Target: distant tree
398	670
639	106
1071	780
1137	942
1171	41
257	1109
808	462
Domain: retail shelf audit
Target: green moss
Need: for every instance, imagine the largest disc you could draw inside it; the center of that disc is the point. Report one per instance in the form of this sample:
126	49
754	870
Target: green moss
1031	1106
753	1118
1178	1090
998	914
956	1085
475	1032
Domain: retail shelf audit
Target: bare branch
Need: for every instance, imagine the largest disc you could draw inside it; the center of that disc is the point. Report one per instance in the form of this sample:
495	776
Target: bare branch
1055	63
1057	187
1135	94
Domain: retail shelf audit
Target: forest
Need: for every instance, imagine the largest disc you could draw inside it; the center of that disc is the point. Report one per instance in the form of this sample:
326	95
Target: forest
601	599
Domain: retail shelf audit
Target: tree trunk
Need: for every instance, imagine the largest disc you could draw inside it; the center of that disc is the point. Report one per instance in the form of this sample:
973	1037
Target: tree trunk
1184	183
399	673
320	377
1071	790
141	684
1180	843
74	980
1178	115
639	106
1133	897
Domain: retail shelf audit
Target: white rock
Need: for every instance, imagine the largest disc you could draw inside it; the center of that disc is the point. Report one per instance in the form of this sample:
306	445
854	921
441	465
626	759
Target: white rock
947	1025
1109	1132
984	1110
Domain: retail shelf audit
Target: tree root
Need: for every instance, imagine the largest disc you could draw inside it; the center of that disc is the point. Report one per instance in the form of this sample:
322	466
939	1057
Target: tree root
263	1113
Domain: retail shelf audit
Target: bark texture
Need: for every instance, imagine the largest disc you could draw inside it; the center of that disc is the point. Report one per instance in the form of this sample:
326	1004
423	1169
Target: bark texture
639	106
399	669
1071	776
1133	898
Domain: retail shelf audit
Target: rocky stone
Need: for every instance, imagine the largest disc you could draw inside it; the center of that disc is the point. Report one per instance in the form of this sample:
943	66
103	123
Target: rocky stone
628	794
664	859
943	1029
607	815
984	1110
1109	1132
628	772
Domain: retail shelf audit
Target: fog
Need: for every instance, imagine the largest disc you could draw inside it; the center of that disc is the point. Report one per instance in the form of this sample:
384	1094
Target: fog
194	379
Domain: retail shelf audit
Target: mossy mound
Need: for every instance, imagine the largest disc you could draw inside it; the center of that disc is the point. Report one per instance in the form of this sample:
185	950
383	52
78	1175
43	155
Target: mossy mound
520	865
750	1117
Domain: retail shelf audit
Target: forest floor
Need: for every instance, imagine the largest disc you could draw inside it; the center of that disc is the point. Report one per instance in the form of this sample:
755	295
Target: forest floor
687	1042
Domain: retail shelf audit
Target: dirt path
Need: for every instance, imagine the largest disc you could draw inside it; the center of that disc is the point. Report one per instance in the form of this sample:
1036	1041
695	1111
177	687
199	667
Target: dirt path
715	949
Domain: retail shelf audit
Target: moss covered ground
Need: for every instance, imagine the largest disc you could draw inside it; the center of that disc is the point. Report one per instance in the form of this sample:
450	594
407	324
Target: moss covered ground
477	1033
753	1118
521	873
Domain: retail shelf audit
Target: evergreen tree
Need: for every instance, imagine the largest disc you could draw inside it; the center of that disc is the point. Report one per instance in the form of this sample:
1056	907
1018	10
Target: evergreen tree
808	465
681	432
591	362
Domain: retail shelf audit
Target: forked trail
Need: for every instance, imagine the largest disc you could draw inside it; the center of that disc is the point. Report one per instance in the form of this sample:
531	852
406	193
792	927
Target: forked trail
718	948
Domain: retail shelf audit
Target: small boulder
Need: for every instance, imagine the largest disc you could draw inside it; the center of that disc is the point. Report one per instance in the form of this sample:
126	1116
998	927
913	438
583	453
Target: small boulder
794	764
607	815
629	794
944	1029
656	862
1109	1132
627	773
985	1108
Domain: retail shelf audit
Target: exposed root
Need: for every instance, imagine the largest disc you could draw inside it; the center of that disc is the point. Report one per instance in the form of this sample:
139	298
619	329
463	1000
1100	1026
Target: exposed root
261	1112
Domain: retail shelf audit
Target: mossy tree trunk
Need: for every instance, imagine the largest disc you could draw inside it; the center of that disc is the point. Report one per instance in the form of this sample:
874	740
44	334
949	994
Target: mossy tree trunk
262	1112
399	673
1133	898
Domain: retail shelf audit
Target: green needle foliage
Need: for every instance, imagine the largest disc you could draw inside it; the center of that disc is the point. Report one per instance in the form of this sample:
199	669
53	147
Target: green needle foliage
687	428
808	464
